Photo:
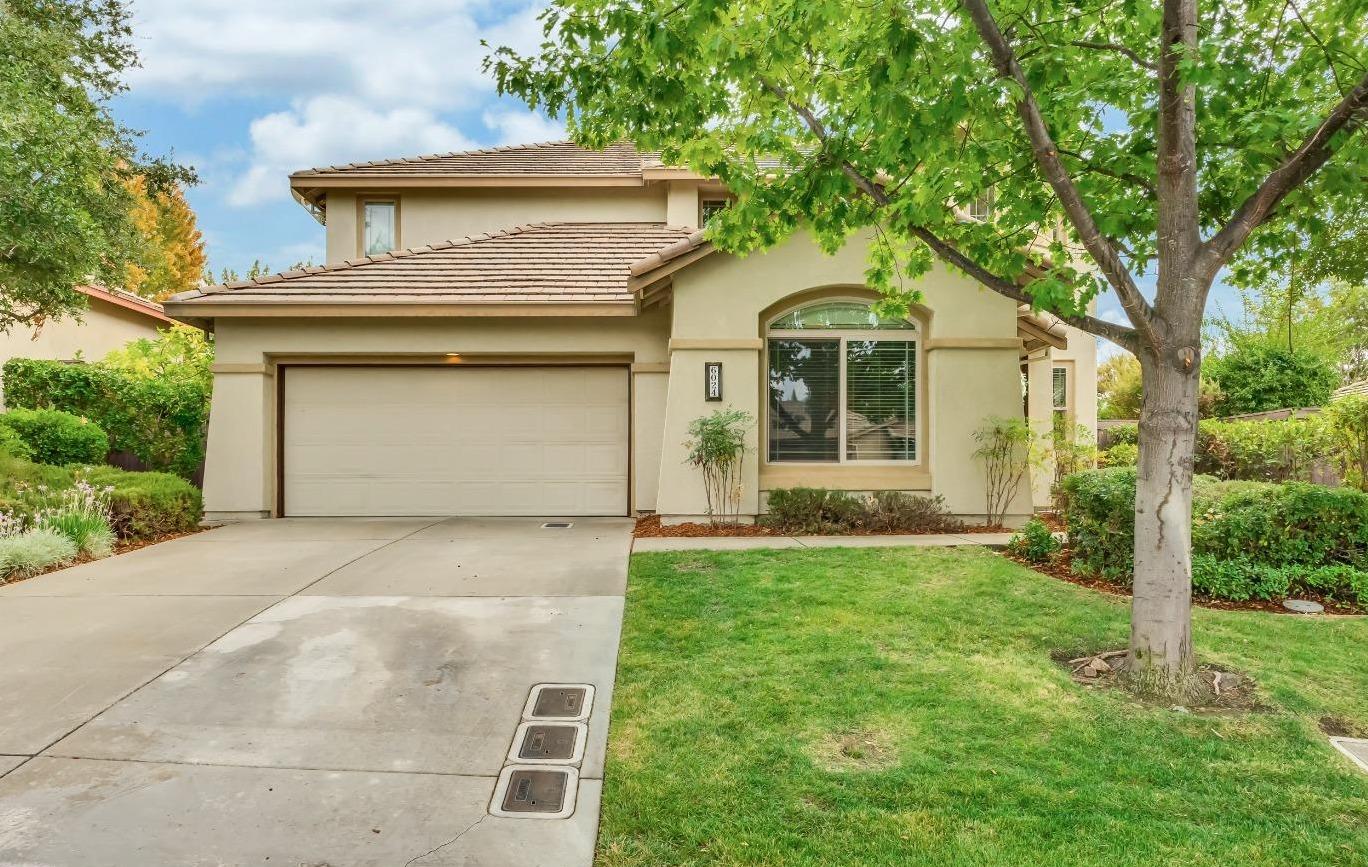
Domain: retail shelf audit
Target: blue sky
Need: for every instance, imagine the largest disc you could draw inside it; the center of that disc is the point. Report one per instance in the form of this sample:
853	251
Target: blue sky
247	91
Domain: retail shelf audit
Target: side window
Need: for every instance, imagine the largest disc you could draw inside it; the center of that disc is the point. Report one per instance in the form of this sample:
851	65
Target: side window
378	227
981	209
1060	382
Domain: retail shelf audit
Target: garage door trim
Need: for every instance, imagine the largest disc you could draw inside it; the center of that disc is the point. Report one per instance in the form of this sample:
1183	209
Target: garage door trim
280	377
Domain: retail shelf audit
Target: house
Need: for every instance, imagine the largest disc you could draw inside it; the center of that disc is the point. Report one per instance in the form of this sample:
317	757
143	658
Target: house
113	318
530	331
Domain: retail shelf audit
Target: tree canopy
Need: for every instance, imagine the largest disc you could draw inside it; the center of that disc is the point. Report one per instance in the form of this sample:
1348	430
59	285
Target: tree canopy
889	114
65	204
170	253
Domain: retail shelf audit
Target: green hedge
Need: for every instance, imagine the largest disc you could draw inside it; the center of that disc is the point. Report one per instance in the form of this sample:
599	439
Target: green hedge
817	510
143	505
1257	537
13	445
161	420
56	437
1275	451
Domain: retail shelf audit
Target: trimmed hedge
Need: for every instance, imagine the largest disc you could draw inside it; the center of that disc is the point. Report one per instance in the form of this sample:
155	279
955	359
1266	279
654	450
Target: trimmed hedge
56	437
1249	539
1291	449
143	505
812	511
161	420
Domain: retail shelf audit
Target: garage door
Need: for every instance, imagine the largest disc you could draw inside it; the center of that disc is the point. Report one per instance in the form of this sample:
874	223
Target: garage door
455	441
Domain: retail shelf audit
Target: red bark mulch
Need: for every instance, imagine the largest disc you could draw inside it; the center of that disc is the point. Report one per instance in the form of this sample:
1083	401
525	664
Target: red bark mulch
650	526
1059	568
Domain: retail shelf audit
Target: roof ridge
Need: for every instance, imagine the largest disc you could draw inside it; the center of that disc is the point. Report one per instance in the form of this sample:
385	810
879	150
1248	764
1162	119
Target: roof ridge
413	160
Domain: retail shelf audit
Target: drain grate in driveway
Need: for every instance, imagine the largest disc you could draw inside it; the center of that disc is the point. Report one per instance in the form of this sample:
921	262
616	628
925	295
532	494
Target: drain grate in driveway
559	701
558	525
530	792
551	743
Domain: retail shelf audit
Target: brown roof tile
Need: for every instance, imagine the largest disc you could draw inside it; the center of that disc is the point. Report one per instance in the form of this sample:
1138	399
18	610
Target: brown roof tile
545	159
556	262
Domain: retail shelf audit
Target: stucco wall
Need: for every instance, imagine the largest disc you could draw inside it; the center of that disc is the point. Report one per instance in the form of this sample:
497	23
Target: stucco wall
103	328
240	477
970	362
426	216
1080	358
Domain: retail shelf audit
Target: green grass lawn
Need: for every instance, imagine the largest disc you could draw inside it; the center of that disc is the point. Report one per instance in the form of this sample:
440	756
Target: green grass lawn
899	707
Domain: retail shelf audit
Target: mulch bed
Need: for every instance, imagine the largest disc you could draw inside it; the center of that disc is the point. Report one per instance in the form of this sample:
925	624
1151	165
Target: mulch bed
1059	567
650	526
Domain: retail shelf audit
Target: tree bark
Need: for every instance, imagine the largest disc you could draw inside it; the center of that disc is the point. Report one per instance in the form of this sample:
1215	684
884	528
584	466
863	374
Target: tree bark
1161	658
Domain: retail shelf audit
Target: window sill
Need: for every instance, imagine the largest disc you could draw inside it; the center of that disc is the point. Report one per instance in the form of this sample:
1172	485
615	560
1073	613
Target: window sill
848	477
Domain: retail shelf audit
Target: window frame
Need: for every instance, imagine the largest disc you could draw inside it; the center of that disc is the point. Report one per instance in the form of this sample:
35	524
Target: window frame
705	200
376	199
913	334
1067	408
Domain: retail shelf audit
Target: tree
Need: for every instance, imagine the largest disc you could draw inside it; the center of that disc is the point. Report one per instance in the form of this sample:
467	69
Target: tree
1259	376
170	256
1118	387
258	269
894	115
65	208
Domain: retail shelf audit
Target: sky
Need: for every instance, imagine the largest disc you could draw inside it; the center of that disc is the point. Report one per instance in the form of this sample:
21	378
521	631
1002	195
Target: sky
247	91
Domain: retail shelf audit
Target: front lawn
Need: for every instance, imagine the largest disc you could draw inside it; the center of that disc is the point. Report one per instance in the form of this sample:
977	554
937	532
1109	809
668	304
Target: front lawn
899	706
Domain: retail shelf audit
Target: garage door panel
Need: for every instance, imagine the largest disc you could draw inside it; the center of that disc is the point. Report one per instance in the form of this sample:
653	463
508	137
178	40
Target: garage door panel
440	441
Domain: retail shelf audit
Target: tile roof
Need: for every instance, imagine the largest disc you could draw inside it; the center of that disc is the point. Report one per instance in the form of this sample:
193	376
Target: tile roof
126	300
544	159
541	262
1360	387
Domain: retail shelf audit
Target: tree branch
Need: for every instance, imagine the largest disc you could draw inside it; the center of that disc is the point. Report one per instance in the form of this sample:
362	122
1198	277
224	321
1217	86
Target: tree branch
1127	338
1134	179
1047	156
1348	116
1178	237
1119	49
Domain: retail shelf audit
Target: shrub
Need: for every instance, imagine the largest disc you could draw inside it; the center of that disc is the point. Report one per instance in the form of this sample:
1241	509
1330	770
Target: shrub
56	437
1244	579
1292	524
1122	434
898	512
1035	542
1263	376
148	505
813	511
33	551
1276	451
160	419
717	446
12	445
1007	448
1347	420
1120	455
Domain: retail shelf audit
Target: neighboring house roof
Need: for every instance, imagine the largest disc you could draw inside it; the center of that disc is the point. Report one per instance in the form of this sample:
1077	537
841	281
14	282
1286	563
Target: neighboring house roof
1360	387
557	159
128	301
537	264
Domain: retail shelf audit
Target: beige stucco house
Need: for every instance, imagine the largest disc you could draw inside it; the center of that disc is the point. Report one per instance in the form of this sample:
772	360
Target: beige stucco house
112	319
530	331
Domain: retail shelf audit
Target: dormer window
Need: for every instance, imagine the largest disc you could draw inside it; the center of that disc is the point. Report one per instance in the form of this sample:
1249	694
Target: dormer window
709	207
379	226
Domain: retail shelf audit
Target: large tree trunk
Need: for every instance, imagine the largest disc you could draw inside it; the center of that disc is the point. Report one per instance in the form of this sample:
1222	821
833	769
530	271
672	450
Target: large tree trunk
1161	659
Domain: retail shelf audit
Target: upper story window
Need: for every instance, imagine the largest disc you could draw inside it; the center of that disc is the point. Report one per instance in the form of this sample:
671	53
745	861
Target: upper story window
842	386
379	227
710	207
981	208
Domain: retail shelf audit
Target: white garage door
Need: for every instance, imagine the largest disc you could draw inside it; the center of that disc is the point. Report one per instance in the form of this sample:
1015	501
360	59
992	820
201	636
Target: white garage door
455	441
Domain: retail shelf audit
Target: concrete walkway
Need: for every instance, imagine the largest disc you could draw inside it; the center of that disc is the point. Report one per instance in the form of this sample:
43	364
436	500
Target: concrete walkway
751	543
302	692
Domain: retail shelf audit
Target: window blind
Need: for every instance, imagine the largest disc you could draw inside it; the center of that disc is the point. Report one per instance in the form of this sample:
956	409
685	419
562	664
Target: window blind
881	400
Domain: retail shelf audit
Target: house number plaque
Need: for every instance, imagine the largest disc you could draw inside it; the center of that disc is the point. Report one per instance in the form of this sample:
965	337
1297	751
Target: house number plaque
712	380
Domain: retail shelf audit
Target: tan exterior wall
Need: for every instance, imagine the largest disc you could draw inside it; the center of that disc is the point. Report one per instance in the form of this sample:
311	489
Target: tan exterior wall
971	361
240	481
1080	359
426	216
103	328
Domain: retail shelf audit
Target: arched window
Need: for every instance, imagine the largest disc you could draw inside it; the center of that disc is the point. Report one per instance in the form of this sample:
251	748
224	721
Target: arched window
842	385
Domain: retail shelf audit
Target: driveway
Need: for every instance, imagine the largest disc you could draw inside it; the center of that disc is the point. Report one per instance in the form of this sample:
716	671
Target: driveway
303	692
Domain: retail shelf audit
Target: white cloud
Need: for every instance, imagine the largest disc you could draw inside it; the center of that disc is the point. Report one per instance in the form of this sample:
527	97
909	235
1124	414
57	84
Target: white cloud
397	52
327	130
518	127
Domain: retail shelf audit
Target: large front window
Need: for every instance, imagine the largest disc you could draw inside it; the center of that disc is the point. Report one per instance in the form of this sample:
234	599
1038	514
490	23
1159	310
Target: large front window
842	386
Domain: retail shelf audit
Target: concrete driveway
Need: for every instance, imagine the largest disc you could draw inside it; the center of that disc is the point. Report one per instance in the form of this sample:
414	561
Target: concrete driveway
303	692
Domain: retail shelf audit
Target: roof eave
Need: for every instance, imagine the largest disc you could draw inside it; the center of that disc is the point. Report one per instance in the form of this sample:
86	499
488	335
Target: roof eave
197	312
